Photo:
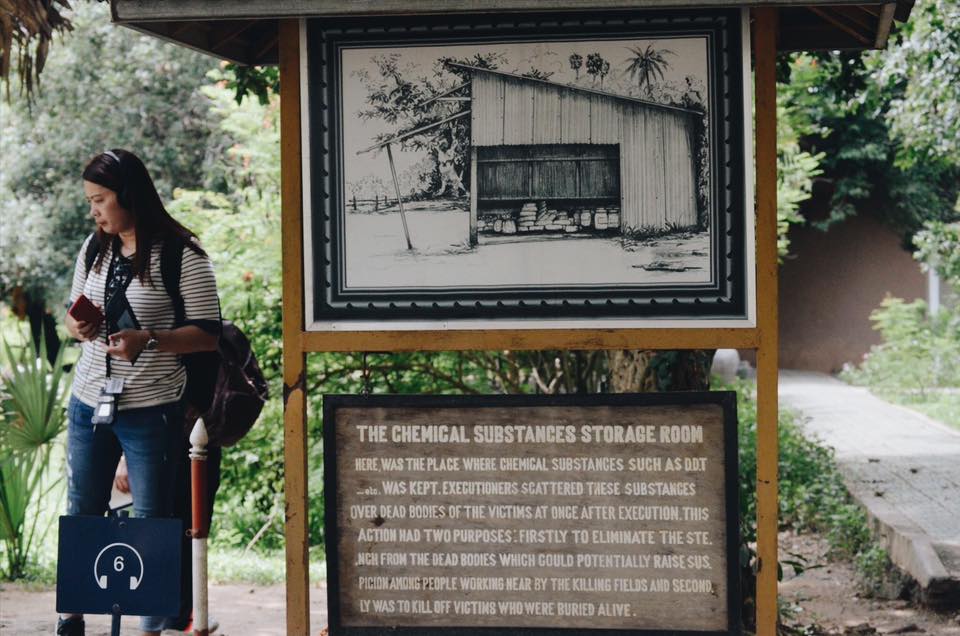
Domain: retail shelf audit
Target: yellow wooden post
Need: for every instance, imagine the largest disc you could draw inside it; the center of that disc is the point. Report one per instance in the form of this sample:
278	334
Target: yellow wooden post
296	341
765	50
294	358
567	339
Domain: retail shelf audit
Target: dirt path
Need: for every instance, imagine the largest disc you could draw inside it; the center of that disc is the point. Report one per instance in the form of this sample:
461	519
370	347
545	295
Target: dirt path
825	599
828	597
243	610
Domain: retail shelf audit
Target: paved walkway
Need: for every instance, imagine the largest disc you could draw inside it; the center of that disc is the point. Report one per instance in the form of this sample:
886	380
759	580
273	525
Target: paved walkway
901	465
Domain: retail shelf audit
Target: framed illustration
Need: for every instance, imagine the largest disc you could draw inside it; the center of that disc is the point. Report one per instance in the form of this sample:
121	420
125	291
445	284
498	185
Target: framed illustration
528	171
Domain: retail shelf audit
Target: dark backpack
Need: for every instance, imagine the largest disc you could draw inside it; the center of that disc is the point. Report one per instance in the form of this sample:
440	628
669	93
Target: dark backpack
225	387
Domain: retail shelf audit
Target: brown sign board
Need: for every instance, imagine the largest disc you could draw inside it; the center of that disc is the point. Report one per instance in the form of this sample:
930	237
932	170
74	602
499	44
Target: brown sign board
604	514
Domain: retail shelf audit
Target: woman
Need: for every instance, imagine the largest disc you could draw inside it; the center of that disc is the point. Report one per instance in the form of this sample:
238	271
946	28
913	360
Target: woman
134	354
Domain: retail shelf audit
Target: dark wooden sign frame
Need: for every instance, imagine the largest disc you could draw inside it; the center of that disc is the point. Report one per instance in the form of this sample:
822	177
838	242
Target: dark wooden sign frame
725	399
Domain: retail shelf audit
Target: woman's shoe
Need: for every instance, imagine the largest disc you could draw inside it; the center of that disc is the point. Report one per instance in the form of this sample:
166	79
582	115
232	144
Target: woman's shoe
73	626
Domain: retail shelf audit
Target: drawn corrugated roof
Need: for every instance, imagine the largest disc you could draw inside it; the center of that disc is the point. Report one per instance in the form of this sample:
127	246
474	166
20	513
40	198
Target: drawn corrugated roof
570	87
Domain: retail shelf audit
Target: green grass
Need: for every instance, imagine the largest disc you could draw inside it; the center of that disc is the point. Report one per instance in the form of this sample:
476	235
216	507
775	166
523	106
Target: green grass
231	565
943	407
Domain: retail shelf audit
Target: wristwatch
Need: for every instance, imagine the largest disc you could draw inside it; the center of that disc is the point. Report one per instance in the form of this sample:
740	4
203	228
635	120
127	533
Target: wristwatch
152	341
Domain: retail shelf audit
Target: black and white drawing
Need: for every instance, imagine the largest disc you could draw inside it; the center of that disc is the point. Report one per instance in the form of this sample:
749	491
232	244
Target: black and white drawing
553	170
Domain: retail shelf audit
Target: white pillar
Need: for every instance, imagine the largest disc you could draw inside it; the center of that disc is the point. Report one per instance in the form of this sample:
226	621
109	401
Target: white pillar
933	292
198	474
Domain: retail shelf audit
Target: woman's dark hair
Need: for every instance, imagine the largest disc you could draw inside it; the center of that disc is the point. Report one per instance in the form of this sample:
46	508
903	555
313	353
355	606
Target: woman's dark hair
122	172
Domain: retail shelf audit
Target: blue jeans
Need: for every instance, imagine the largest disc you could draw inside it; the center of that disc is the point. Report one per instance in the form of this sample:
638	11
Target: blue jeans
151	440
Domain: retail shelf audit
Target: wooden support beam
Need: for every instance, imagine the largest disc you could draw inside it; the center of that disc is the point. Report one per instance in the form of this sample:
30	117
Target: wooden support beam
266	42
415	131
863	23
887	14
442	95
294	359
498	339
838	22
765	78
229	32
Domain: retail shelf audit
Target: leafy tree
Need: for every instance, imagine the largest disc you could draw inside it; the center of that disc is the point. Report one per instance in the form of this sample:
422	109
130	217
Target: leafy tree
938	248
262	81
921	68
604	71
400	97
644	66
860	167
143	95
796	168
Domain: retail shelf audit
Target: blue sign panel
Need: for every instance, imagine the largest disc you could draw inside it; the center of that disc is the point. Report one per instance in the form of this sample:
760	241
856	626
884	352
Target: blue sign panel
130	563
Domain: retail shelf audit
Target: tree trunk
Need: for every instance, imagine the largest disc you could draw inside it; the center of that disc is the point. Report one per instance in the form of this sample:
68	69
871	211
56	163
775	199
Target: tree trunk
645	370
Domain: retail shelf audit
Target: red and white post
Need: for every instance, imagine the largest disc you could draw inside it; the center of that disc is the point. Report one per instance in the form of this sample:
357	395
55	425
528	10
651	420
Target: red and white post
199	529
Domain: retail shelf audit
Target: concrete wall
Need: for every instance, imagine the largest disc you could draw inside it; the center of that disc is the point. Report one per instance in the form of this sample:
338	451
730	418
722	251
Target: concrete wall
831	283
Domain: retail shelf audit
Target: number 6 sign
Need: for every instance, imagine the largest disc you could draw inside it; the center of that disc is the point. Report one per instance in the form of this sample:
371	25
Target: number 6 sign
135	565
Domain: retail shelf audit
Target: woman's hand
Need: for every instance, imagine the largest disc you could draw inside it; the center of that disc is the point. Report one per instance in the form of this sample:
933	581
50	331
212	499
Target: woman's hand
121	479
81	329
126	344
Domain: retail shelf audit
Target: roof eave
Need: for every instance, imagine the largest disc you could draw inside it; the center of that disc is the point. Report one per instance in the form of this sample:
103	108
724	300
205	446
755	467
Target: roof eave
212	27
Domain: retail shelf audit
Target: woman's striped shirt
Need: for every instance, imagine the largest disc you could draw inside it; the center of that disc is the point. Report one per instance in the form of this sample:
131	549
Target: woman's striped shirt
157	377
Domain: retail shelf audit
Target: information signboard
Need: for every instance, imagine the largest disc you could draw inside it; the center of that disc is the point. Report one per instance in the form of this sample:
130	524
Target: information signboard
527	514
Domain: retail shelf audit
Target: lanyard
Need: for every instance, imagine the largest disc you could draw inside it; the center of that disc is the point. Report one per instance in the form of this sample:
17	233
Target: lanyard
119	276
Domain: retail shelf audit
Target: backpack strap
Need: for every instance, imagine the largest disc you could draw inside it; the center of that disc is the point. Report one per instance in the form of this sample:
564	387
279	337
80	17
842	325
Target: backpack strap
171	261
90	255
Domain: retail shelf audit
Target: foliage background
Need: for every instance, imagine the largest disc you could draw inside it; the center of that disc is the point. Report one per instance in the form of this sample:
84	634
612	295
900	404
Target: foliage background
843	128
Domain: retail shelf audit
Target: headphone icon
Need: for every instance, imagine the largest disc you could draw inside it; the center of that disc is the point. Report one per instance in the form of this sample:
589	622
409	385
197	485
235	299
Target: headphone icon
118	565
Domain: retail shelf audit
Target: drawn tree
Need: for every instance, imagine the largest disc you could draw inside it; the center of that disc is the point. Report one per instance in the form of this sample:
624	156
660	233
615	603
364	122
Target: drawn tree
401	96
595	65
646	65
604	71
576	63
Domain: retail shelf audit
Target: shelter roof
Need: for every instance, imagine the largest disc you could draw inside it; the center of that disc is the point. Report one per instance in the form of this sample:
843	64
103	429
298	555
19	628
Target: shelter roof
247	31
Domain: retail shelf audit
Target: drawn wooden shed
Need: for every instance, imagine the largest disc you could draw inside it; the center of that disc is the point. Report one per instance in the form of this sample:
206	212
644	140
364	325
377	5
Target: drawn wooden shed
579	151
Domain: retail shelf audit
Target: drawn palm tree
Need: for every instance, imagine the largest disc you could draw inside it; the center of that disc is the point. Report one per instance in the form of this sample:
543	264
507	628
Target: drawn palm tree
646	65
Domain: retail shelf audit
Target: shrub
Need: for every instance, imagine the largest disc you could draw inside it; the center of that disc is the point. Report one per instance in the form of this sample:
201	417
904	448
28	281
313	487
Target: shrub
32	394
918	351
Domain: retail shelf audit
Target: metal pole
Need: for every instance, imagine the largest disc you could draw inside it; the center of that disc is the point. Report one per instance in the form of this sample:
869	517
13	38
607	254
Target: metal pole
199	529
115	621
396	184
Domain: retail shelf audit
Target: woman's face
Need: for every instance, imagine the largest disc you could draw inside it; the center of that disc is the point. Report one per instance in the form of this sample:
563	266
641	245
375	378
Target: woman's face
106	210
